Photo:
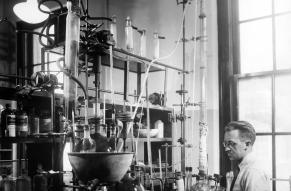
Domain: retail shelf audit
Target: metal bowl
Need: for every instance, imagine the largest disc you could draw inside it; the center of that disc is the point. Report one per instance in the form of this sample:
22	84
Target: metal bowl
105	166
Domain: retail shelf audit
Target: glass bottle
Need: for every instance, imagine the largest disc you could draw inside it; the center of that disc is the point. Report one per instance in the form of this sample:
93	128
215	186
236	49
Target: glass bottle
4	114
113	29
156	46
88	144
128	35
9	184
33	121
10	123
143	45
23	182
201	185
45	122
40	180
189	179
186	179
180	182
21	122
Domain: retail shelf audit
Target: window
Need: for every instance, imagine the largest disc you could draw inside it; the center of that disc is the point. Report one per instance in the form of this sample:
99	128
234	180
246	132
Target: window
262	80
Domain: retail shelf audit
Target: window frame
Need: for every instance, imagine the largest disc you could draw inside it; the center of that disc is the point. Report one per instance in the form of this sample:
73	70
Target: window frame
229	74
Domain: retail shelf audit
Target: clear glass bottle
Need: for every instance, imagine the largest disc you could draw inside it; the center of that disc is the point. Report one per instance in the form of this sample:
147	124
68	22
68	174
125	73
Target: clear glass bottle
180	182
189	179
186	179
113	29
156	46
88	144
201	185
143	43
128	35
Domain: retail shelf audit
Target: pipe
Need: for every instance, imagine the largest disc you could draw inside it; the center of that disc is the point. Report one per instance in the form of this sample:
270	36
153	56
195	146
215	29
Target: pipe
71	53
203	129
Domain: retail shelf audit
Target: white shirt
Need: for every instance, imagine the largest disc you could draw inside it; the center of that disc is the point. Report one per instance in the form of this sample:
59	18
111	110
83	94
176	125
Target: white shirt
251	176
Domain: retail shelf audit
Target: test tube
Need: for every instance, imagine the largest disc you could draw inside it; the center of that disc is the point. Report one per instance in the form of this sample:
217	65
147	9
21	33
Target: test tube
143	43
156	46
113	30
128	35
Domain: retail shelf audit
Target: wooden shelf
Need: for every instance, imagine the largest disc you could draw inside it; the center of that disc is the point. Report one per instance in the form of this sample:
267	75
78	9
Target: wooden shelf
32	139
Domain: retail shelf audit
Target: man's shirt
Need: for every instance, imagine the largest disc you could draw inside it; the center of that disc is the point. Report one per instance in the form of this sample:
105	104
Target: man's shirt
251	176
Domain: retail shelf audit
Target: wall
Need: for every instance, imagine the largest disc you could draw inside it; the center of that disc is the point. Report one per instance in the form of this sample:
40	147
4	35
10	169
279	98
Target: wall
7	43
164	17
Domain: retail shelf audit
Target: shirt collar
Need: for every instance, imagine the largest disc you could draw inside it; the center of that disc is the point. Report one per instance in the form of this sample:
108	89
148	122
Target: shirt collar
249	158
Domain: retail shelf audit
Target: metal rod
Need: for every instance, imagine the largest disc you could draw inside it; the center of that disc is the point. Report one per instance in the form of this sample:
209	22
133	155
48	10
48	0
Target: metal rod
52	109
166	165
115	92
183	95
148	60
165	87
148	130
126	81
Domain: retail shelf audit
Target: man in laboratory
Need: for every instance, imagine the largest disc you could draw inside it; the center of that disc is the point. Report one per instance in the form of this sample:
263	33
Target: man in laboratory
239	138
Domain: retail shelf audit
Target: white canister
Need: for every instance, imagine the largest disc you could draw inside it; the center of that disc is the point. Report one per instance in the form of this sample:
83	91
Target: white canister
160	126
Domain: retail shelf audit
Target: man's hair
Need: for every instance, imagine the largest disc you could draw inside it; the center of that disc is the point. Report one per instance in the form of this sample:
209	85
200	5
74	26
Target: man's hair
246	130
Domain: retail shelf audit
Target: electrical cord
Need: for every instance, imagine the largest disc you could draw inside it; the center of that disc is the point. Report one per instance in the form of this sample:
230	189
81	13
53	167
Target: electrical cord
48	23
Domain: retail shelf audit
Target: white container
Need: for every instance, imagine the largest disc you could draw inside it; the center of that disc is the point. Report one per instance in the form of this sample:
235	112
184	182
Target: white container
11	130
160	126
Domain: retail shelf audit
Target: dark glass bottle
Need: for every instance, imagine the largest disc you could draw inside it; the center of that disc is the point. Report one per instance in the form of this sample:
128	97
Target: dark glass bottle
23	182
45	122
21	122
10	123
8	184
40	182
33	122
4	114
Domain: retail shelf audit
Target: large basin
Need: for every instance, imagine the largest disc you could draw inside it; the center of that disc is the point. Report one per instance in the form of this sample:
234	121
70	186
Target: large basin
105	166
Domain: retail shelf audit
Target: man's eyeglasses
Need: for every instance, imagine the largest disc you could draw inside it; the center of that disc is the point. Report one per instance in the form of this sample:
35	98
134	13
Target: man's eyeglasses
229	144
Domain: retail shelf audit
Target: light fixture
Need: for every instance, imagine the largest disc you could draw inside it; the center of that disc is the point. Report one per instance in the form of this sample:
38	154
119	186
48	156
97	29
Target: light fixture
28	11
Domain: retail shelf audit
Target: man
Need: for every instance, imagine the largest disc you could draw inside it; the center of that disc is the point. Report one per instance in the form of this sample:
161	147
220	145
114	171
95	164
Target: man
239	138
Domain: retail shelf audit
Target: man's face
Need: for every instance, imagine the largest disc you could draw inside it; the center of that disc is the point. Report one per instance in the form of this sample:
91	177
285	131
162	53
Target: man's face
234	147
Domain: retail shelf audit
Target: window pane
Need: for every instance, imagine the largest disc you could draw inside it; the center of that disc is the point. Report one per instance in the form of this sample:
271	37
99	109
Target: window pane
282	6
255	102
256	50
249	9
283	160
283	41
283	103
263	150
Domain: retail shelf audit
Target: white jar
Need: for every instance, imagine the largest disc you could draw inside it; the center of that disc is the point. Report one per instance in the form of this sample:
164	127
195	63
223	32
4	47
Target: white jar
160	126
